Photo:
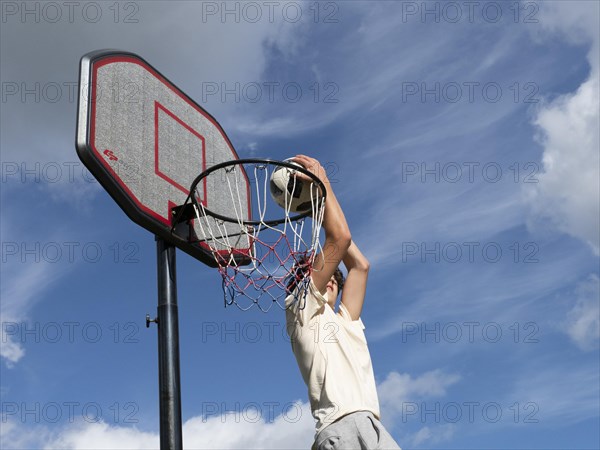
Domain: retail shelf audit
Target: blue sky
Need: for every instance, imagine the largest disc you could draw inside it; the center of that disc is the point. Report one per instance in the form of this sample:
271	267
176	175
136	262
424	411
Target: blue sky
462	142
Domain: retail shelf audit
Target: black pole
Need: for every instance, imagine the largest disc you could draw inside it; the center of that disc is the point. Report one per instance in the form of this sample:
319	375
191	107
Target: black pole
168	349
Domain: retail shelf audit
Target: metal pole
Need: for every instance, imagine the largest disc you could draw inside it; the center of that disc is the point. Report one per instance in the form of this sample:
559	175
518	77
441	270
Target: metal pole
168	349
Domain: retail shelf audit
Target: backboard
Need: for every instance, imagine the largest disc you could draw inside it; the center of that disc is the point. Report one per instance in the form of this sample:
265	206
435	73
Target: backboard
145	141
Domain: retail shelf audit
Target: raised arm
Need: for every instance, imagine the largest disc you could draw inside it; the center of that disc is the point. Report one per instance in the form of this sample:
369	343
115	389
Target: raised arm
355	287
337	233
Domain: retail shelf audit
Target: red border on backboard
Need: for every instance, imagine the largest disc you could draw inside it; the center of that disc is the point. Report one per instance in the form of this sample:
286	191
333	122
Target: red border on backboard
92	136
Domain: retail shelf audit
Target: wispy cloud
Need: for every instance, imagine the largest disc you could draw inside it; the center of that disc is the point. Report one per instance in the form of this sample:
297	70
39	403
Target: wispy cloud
25	280
565	393
21	288
376	82
485	291
583	321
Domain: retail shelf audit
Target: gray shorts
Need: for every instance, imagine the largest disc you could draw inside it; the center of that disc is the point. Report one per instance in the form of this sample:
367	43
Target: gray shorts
360	430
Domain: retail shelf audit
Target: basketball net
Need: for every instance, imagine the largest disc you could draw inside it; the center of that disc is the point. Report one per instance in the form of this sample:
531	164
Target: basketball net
280	257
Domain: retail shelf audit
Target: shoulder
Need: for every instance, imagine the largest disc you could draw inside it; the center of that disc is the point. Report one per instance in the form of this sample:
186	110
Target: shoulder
344	314
308	303
312	294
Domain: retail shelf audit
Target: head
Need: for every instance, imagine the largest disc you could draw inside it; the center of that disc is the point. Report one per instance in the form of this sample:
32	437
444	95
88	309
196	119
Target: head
335	286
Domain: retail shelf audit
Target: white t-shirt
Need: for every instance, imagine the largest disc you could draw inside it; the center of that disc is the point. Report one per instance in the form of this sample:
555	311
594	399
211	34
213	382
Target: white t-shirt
333	357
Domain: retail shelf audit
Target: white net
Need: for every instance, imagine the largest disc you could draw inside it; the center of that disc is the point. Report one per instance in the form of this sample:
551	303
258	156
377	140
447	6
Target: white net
265	259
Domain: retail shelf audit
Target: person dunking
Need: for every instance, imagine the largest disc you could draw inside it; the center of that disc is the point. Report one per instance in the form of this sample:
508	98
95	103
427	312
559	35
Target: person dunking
330	348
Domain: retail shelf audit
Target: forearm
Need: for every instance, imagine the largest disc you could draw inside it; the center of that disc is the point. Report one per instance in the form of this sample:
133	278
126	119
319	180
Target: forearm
355	288
337	232
355	260
337	238
334	220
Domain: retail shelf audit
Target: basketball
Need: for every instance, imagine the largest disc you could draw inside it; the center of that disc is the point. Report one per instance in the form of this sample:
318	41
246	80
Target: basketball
290	192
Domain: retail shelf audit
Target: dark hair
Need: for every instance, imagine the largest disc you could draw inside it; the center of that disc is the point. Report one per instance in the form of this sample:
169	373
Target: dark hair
339	279
302	269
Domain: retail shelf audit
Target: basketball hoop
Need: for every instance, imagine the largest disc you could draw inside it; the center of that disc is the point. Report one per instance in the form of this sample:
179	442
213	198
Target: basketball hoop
264	258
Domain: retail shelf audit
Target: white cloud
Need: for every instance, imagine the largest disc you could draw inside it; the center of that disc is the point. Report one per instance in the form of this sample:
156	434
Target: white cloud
292	429
583	321
575	20
398	389
79	194
568	192
9	349
195	48
100	435
251	148
433	435
26	276
13	435
22	286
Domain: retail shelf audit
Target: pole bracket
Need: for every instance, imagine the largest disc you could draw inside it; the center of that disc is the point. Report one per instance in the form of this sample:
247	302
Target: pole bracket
148	320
